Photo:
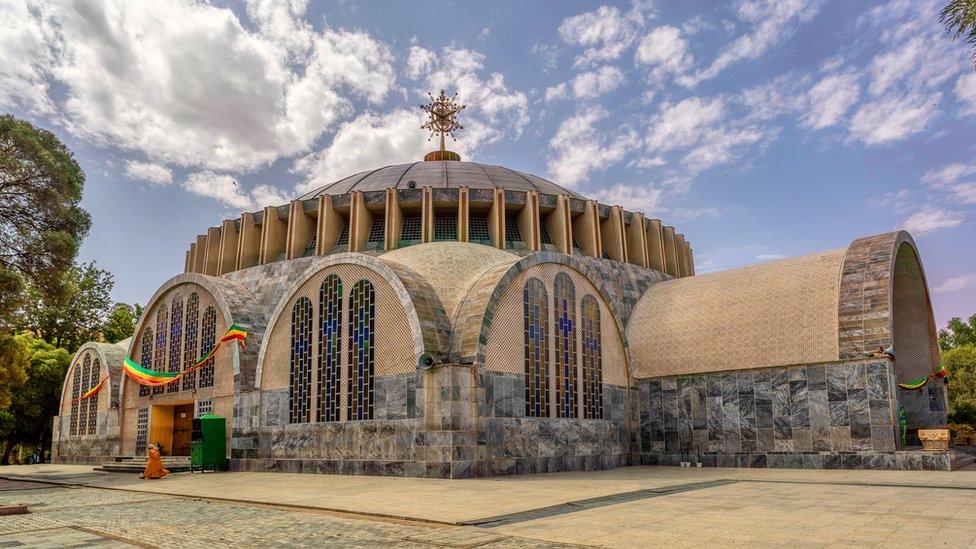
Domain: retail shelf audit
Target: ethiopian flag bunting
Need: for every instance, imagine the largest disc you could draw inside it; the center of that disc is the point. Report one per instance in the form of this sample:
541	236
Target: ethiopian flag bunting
93	391
234	333
916	383
153	378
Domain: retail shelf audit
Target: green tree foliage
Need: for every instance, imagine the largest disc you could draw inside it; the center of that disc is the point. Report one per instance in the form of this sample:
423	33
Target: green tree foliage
13	367
11	297
961	363
35	402
958	333
121	322
41	223
959	18
76	312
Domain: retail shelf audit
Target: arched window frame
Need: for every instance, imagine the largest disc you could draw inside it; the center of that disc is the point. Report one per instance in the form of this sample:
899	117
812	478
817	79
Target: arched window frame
208	338
75	405
300	378
93	379
330	349
146	358
83	405
191	339
592	358
175	340
535	302
362	314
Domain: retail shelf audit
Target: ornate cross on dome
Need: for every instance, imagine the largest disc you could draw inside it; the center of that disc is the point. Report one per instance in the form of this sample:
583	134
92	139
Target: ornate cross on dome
442	114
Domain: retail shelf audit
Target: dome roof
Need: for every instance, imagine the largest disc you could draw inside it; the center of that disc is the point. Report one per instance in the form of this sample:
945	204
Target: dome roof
441	175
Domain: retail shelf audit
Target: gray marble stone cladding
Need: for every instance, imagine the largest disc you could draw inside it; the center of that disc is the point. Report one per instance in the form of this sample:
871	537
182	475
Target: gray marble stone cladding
795	416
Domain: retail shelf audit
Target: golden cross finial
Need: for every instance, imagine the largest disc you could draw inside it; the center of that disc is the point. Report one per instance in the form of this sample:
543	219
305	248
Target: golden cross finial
442	114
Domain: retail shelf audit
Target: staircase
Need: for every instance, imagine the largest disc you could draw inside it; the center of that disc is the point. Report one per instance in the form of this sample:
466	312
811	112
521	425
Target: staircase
130	464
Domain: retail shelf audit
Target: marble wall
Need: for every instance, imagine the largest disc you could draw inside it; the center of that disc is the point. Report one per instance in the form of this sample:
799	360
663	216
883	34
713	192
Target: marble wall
814	416
98	448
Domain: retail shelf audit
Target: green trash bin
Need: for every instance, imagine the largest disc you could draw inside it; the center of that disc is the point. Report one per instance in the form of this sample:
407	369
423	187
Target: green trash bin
208	447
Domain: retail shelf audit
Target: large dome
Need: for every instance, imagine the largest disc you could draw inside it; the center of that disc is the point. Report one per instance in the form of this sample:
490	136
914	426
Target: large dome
441	175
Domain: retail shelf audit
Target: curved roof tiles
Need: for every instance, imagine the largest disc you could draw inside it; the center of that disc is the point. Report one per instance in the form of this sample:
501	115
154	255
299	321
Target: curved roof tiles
441	175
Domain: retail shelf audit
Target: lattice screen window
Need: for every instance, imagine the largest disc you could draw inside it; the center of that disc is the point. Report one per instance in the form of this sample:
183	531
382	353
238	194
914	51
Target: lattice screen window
361	360
564	320
592	360
208	338
536	315
544	234
84	404
576	247
410	232
75	405
142	430
377	234
513	236
159	363
204	407
300	381
190	341
175	340
330	348
445	228
478	229
343	239
93	379
146	359
310	249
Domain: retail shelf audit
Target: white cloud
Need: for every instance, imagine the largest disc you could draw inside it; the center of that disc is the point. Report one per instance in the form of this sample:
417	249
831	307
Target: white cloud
955	284
494	111
684	124
665	51
959	179
581	149
772	22
829	100
588	85
187	83
549	54
893	117
966	93
365	143
156	174
225	189
635	198
770	257
604	33
930	218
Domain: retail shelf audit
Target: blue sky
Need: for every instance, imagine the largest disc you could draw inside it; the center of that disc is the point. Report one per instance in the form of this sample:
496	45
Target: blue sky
760	129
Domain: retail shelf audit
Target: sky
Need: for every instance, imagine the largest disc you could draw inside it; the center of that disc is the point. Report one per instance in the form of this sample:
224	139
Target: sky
761	129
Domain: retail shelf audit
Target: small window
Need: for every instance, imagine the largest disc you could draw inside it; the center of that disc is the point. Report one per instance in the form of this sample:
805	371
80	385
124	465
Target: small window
513	236
142	430
310	249
377	233
410	233
204	407
478	229
343	238
544	234
445	228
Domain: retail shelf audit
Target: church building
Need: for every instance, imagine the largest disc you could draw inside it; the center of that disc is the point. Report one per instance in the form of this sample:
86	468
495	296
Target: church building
453	319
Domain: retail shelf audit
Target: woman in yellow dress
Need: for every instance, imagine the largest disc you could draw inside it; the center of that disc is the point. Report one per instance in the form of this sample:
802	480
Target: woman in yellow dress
154	464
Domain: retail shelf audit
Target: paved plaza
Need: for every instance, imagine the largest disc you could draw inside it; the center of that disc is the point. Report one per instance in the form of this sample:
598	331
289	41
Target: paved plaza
633	506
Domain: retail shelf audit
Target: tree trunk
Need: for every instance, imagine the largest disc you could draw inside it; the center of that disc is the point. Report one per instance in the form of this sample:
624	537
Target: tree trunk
6	453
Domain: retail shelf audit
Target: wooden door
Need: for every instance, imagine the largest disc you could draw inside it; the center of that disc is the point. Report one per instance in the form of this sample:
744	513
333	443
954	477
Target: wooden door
182	429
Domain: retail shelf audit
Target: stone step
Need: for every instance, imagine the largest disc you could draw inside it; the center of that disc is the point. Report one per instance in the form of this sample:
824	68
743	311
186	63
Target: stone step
127	464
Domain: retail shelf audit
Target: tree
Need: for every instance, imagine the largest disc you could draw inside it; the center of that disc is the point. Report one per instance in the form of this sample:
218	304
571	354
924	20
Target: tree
959	18
73	314
28	420
13	367
958	333
41	222
121	322
961	363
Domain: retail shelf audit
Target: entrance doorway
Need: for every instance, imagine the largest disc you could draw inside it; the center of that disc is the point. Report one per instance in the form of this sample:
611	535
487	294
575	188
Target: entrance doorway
171	427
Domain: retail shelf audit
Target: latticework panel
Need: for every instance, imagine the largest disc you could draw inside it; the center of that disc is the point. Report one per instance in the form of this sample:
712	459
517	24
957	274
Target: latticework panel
564	357
191	340
145	358
208	338
175	339
535	321
86	383
159	361
300	363
916	348
330	315
362	360
592	370
75	405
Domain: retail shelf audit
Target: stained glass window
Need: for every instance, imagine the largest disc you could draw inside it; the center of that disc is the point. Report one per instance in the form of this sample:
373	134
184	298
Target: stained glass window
330	348
93	379
142	430
535	315
175	340
75	391
300	392
159	362
83	405
564	319
361	360
146	358
190	340
208	338
592	360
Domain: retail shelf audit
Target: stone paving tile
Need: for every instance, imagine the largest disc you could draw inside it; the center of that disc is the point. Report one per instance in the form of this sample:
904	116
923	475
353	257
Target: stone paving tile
57	538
